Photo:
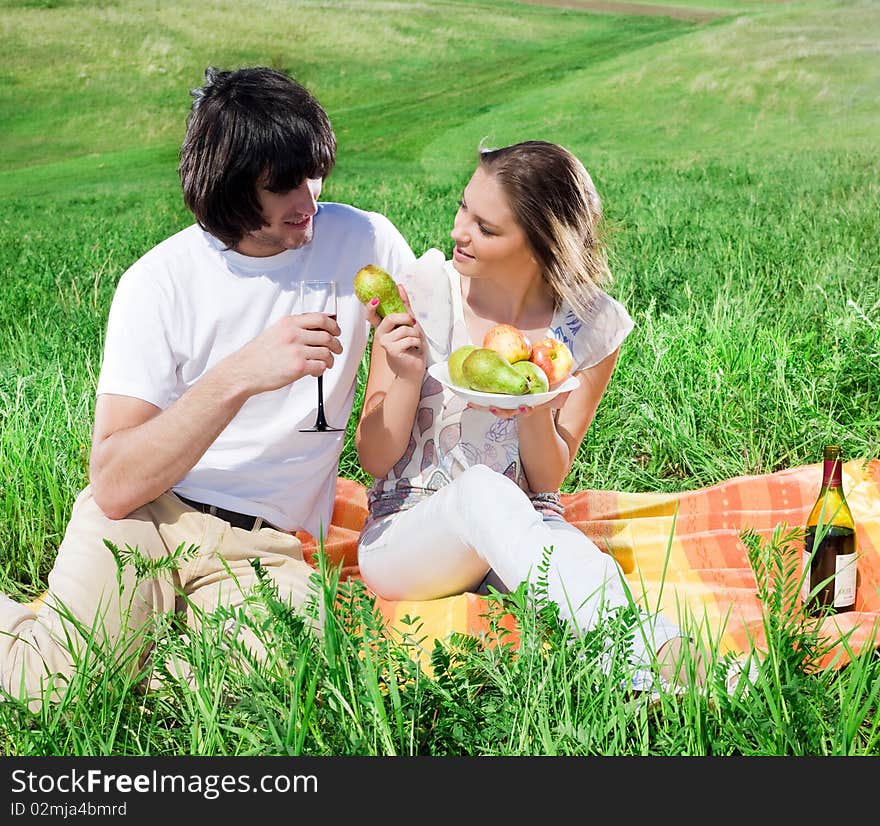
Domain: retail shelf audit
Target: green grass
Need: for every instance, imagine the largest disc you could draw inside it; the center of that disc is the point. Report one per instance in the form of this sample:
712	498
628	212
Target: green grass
361	691
737	162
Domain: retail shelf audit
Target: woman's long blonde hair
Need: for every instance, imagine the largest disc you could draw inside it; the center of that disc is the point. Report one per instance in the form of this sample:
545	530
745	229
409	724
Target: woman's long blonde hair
554	201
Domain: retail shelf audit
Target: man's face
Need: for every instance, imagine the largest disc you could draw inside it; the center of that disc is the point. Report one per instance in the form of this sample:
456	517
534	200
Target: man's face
288	220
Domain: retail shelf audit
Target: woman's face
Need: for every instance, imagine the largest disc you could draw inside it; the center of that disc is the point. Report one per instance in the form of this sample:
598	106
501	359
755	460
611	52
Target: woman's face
489	243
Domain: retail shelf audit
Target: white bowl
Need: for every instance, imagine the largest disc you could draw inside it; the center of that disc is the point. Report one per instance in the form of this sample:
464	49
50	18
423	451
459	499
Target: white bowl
503	401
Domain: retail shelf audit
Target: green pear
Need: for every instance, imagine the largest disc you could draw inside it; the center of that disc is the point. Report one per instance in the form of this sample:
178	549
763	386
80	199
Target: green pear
455	360
534	375
371	282
489	372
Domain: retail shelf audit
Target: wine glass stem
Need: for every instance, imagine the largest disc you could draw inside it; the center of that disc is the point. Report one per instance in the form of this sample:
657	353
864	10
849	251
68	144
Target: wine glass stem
321	422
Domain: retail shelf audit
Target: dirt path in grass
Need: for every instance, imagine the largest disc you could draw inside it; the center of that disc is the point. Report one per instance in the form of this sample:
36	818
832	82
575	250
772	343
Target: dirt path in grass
678	12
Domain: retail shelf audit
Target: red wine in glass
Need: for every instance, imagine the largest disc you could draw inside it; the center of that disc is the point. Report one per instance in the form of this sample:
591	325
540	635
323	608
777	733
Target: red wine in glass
319	297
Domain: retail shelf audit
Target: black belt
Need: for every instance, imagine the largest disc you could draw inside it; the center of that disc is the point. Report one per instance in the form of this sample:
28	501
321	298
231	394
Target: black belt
237	520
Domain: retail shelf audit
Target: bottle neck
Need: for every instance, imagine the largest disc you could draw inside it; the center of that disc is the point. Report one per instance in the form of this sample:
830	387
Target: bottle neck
832	474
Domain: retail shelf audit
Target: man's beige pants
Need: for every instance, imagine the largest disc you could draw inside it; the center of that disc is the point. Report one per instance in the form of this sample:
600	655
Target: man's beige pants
90	595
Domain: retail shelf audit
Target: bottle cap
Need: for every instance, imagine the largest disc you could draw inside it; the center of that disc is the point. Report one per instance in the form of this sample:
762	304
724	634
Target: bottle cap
832	475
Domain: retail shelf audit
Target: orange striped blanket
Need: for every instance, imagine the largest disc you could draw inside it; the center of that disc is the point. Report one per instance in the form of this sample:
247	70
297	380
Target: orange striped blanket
682	552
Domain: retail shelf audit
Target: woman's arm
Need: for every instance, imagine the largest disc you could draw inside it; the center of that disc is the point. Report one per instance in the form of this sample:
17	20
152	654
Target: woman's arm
394	384
547	448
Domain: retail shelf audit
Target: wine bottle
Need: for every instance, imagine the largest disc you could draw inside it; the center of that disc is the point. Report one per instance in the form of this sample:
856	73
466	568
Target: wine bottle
830	548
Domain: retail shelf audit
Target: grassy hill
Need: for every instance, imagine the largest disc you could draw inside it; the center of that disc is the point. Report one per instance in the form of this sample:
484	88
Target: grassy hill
736	155
734	143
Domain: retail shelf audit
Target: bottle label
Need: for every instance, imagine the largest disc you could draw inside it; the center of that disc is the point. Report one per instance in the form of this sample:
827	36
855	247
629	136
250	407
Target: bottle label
806	587
845	581
829	577
845	578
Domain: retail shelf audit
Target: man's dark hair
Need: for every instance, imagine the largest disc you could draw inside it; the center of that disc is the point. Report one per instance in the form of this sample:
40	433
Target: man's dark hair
250	128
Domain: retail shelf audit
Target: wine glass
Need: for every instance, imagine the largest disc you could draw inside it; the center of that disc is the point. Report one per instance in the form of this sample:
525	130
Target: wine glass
319	297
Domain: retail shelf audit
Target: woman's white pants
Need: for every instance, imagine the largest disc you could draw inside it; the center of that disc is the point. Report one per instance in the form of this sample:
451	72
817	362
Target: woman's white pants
482	522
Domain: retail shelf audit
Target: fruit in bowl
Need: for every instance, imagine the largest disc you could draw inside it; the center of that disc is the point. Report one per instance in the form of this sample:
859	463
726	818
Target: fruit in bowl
509	341
554	358
454	363
509	364
535	377
488	371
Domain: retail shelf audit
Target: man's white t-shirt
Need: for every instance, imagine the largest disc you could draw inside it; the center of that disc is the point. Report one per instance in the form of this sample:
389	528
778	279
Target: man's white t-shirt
188	303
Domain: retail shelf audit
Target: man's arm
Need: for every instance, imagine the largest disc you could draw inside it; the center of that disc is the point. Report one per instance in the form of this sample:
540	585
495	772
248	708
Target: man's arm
140	451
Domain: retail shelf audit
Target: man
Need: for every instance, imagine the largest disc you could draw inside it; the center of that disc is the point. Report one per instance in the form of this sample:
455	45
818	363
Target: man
208	380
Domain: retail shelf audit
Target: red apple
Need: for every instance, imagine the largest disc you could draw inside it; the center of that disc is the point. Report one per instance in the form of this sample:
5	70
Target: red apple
554	358
509	341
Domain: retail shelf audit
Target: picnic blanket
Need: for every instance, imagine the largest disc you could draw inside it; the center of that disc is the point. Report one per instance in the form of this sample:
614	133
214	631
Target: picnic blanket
681	552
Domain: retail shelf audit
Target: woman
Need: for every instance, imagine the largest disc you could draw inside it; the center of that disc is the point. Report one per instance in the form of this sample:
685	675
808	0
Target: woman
462	492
